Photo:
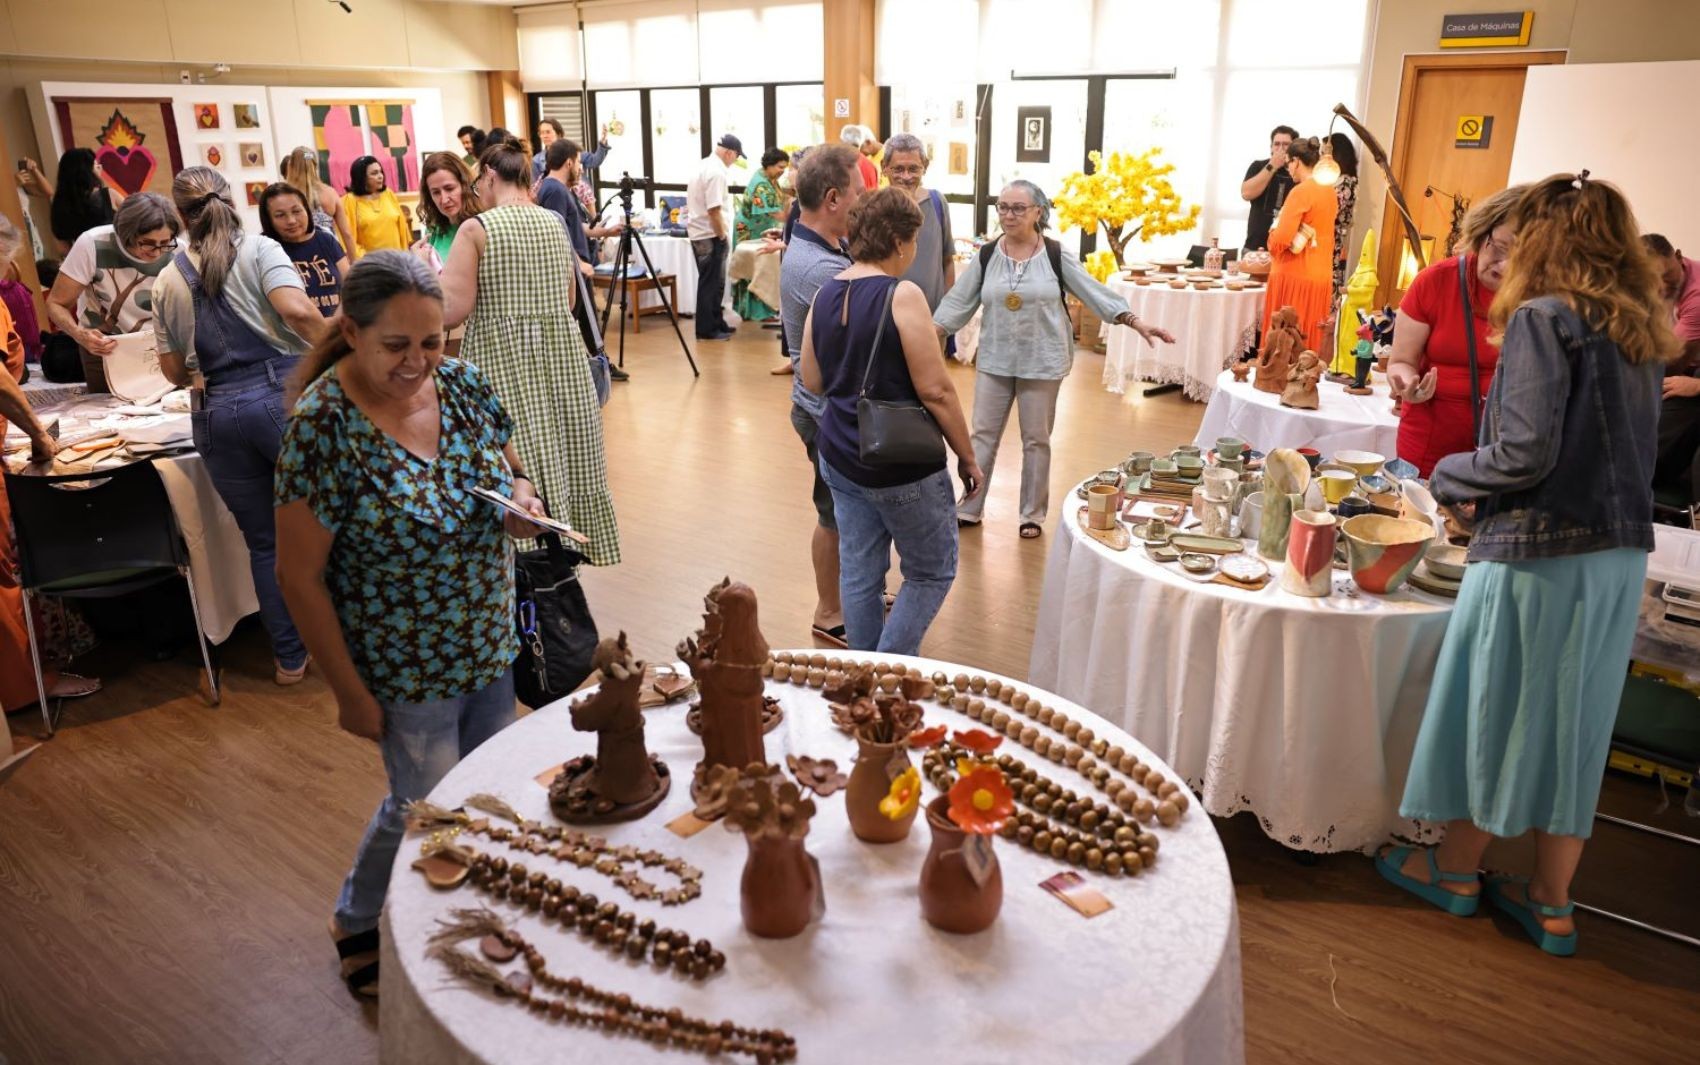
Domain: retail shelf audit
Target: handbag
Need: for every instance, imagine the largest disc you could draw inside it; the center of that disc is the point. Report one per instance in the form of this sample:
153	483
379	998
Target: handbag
557	635
1470	342
894	432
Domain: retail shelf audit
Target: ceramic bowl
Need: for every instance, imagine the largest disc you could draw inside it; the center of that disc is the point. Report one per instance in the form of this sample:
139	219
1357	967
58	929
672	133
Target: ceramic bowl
1376	484
1399	469
1365	462
1141	280
1163	466
1178	283
1446	560
1191	465
1381	551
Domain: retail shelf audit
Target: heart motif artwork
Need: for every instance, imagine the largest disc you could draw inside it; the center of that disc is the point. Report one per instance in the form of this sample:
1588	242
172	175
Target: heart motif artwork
206	116
252	155
134	140
212	155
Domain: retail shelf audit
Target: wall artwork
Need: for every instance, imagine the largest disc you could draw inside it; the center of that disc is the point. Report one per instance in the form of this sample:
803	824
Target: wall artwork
134	140
255	190
212	155
1033	135
247	115
251	153
344	131
206	116
958	157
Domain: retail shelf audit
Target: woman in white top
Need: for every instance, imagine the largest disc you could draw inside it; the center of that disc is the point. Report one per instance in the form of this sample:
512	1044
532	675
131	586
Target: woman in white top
1026	341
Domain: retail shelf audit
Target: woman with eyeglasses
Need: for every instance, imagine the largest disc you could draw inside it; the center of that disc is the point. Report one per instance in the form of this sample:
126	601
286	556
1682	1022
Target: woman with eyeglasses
1429	369
1018	283
301	169
105	284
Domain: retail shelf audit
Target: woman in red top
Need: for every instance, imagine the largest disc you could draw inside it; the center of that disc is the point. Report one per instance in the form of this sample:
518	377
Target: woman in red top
1429	370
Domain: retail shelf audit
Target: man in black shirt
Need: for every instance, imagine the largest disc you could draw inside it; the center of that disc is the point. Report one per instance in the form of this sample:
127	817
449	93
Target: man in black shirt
555	192
1266	186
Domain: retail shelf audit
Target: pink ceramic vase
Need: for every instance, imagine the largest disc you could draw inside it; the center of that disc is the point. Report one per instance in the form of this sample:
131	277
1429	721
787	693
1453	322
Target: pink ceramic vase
877	765
780	886
952	898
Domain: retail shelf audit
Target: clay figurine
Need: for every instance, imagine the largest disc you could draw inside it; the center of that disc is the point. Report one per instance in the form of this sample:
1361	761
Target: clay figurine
725	657
1242	370
623	781
1301	382
1281	348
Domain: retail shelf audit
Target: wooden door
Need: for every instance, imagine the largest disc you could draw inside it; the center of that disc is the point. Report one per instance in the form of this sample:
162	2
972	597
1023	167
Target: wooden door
1435	95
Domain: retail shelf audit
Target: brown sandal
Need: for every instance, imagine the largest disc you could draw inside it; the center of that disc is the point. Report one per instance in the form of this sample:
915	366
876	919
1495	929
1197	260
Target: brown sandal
1030	530
358	954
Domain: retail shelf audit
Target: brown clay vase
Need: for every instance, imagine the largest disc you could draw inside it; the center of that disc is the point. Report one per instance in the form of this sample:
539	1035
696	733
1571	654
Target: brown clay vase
877	765
951	899
780	888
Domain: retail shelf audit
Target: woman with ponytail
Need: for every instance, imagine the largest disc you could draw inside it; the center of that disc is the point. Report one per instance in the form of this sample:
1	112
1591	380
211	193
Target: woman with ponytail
232	318
402	580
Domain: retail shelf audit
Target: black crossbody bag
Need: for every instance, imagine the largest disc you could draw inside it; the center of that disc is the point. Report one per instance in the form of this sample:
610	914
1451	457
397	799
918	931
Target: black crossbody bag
893	432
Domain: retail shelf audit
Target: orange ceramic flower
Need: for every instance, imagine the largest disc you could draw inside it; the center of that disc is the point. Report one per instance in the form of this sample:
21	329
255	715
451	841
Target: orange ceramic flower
928	737
904	796
978	740
981	802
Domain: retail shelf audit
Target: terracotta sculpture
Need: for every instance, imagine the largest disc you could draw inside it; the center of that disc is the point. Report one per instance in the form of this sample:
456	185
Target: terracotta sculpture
623	780
1242	370
780	890
1281	347
1301	382
1359	298
725	657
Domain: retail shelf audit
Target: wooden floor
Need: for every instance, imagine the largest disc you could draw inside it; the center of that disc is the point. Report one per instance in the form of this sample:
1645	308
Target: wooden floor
166	870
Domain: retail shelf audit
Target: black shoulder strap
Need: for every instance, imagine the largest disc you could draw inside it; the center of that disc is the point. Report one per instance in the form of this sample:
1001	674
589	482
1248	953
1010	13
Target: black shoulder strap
1053	250
1470	342
986	251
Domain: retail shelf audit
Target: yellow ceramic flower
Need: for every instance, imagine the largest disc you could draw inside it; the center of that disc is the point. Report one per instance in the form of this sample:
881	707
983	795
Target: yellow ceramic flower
904	796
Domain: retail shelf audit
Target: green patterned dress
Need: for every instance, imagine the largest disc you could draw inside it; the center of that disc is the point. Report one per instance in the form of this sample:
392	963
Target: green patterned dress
522	335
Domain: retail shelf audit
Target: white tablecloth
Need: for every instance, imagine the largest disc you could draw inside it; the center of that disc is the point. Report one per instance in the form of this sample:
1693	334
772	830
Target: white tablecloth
1157	979
1301	710
671	255
1340	422
1210	328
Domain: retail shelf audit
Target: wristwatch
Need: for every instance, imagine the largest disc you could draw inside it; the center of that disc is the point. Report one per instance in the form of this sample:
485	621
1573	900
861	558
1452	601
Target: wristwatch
1269	167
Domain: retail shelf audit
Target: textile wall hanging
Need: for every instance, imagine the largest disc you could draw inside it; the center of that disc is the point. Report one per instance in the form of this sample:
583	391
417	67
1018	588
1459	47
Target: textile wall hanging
134	140
344	130
391	126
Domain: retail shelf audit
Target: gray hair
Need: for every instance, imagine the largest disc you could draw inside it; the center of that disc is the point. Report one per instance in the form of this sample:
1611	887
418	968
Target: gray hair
854	135
144	212
906	142
1040	201
1488	214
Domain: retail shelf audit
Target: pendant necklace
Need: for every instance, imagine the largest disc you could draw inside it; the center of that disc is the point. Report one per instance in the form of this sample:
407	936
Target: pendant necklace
1018	273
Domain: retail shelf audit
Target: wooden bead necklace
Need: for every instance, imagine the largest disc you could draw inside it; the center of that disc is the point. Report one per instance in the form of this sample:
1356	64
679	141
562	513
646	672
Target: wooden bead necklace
620	931
1117	775
612	1012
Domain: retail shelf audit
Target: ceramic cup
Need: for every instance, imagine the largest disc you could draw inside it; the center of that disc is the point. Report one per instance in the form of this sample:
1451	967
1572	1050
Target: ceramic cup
1101	506
1165	466
1220	484
1229	447
1189	464
1138	463
1337	485
1311	456
1186	449
1352	506
1215	516
1251	514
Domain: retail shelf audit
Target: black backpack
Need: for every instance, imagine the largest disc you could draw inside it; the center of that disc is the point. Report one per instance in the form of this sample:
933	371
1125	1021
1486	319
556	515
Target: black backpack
1053	252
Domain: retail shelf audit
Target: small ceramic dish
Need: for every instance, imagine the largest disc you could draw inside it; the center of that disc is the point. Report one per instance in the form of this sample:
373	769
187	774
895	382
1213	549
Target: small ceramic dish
1376	484
1161	552
1142	531
1193	562
1244	567
1446	561
1399	469
1142	280
1177	283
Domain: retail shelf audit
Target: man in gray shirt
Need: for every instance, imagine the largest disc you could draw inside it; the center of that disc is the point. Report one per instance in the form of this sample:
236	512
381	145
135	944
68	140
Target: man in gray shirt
934	269
828	185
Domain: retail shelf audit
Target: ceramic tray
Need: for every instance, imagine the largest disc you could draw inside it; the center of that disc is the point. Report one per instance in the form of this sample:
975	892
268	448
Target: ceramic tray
1209	545
1433	584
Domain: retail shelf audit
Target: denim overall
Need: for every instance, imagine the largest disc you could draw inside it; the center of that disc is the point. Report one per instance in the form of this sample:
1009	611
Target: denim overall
238	432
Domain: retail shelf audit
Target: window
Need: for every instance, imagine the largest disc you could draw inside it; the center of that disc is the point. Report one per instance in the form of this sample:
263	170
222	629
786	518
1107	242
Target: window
675	127
739	110
799	113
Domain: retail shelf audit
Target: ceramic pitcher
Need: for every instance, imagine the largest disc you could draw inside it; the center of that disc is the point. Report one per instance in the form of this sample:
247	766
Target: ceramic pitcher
1285	478
953	897
1310	554
877	765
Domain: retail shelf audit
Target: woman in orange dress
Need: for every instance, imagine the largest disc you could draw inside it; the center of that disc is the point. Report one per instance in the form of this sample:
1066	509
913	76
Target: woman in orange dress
1303	279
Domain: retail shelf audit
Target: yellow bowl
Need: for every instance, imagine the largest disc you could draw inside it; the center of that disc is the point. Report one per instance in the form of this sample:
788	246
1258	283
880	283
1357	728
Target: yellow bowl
1365	462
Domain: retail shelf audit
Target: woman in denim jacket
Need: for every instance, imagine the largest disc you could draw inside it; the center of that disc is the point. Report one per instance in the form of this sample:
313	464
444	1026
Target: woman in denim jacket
1520	714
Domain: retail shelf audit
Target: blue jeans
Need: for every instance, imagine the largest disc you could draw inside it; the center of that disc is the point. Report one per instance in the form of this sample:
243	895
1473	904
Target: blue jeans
711	285
422	742
239	435
920	519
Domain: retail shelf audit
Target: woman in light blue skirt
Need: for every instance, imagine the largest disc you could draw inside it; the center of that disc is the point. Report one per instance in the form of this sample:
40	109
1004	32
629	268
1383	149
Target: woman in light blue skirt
1519	720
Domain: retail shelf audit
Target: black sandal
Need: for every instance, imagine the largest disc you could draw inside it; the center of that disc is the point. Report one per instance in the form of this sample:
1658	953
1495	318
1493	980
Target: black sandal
1030	530
834	636
358	954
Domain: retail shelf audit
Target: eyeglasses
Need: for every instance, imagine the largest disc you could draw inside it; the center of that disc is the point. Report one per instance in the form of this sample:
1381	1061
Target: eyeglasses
1499	247
907	171
1015	210
148	245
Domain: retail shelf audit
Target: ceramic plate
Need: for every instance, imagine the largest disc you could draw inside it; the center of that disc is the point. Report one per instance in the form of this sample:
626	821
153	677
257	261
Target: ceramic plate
1161	552
1428	582
1193	562
1142	531
1244	567
1213	545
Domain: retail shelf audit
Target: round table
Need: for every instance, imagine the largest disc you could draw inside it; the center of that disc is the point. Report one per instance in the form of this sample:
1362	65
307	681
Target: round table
1210	327
671	255
1156	979
1340	422
1301	710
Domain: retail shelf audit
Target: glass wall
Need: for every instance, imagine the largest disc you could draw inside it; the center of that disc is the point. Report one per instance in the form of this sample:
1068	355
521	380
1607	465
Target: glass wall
799	113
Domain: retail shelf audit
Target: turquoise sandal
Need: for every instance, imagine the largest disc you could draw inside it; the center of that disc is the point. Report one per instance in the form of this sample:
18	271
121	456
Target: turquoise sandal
1524	912
1391	867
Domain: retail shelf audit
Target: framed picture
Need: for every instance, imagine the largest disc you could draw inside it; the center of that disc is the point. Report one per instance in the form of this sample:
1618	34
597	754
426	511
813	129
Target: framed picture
255	188
1033	135
206	116
958	157
959	111
251	153
247	115
212	155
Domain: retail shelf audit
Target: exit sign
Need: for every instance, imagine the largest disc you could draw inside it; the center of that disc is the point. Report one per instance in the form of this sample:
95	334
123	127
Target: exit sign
1499	29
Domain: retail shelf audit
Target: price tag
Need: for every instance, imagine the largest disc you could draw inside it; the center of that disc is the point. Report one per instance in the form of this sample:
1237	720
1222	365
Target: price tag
687	825
818	909
898	765
1080	896
977	856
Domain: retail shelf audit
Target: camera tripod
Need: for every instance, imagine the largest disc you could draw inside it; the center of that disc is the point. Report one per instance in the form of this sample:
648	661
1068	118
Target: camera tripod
621	283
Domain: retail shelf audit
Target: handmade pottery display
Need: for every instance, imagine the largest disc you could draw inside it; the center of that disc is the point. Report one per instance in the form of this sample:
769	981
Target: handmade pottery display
1364	463
1285	479
1243	568
1383	551
1179	282
1424	579
1116	538
1399	469
1211	545
877	765
1352	506
1103	504
1251	513
1418	504
1164	467
1189	465
1302	378
1310	554
961	886
1282	345
1170	266
1446	561
1221	483
1137	464
1153	531
623	780
1230	447
1337	485
882	722
780	891
1312	457
1161	551
1186	449
1215	516
725	657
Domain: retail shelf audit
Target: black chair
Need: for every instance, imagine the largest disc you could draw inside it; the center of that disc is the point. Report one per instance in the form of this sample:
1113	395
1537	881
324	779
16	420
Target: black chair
1195	257
94	536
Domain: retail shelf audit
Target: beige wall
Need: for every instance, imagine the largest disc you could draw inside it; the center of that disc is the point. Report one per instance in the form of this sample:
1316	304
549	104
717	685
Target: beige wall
1593	31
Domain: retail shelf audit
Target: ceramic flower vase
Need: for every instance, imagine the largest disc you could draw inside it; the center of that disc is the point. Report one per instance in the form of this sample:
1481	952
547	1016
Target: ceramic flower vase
780	892
1286	475
877	765
1310	554
961	881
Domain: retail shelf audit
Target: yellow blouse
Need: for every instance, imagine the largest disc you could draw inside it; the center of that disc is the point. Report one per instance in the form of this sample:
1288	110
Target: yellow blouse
376	223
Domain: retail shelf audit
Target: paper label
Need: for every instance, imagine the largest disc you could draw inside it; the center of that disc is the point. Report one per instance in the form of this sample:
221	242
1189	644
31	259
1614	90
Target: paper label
687	825
1080	896
898	765
977	856
547	777
818	910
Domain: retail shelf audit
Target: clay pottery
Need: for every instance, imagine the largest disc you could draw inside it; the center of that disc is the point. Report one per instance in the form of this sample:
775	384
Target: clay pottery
1221	483
780	892
1381	551
1229	447
953	898
1138	464
1363	463
1186	449
1352	506
1310	554
1189	465
1285	478
1103	503
1337	485
1311	456
1256	263
1446	561
1399	469
1251	514
877	765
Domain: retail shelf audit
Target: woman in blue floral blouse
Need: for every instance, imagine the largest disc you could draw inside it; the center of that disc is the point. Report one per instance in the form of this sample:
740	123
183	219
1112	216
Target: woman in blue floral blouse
400	579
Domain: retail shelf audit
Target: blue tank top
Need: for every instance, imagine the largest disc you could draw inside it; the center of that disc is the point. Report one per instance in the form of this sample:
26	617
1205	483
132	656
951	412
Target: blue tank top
847	314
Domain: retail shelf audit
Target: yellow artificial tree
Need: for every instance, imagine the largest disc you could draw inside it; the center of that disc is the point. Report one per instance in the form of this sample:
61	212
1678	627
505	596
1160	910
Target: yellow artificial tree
1129	196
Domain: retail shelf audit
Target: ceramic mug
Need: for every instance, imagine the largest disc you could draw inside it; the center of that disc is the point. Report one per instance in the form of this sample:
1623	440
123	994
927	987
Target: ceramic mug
1189	465
1220	485
1102	505
1352	506
1186	449
1229	447
1251	514
1337	485
1216	516
1138	463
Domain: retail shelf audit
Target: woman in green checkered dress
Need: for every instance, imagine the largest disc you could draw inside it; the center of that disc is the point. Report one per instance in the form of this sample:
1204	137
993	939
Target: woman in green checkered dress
509	278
